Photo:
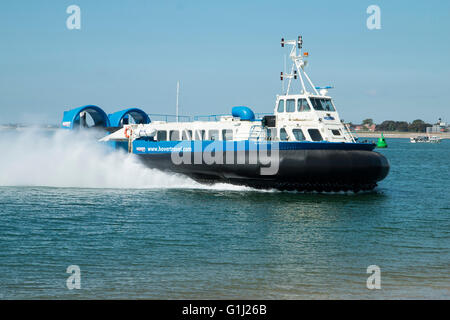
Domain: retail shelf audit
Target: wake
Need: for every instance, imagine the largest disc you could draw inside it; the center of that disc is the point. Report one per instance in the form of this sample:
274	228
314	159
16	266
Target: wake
59	158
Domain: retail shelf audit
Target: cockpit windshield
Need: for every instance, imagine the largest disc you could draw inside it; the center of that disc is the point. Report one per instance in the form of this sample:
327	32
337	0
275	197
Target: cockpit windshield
322	104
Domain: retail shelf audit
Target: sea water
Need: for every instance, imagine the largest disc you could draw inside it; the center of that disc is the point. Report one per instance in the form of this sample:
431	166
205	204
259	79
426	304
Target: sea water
66	200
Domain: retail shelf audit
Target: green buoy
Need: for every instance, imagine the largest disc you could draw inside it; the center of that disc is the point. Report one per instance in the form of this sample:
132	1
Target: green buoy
381	142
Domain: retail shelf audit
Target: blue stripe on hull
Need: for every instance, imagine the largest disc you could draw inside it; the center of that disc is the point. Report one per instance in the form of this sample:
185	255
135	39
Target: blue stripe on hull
142	146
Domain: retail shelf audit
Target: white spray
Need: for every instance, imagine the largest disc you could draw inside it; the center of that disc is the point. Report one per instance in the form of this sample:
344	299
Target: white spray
60	158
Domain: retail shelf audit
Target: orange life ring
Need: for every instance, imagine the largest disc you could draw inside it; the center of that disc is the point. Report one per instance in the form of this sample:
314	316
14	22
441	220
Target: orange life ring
127	135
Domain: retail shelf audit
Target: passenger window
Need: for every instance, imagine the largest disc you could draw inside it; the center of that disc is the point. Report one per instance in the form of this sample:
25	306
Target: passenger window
283	135
227	134
268	134
315	135
290	105
174	135
186	135
271	133
281	106
336	132
161	136
214	135
200	134
298	134
302	105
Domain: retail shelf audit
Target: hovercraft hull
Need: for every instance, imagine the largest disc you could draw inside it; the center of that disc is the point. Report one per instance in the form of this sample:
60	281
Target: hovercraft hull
316	169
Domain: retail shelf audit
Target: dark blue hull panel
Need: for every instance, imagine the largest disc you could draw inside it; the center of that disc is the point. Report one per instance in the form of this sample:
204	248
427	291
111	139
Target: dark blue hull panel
143	146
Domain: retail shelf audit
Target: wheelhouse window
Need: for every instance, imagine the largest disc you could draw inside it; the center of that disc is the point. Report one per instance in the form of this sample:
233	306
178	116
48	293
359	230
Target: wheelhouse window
186	135
290	105
214	135
327	105
227	134
280	106
316	104
315	135
283	135
298	134
174	135
161	135
302	105
200	134
322	104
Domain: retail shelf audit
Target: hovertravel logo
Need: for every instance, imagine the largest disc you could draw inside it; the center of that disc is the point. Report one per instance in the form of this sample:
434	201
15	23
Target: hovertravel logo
264	157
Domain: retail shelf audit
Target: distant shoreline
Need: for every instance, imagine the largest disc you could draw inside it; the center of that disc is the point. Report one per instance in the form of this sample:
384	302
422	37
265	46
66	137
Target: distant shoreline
361	134
393	134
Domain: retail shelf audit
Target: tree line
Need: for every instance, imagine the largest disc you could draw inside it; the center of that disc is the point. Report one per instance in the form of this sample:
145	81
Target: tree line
402	126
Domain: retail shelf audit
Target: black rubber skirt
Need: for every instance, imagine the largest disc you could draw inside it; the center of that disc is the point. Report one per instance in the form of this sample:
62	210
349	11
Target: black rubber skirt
302	170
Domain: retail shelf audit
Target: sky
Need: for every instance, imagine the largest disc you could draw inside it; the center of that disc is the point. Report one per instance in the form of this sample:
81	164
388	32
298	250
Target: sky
224	53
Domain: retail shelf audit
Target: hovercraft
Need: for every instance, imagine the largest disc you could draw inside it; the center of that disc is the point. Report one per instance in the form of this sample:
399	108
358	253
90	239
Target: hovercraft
302	146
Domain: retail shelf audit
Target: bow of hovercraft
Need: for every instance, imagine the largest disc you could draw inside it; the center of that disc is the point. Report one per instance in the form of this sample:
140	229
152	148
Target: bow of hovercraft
330	167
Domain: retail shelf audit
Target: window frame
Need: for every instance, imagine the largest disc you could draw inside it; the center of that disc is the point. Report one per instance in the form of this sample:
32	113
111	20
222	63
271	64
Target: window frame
224	134
210	135
321	102
281	102
293	105
301	131
200	134
313	137
287	134
159	132
171	132
186	135
314	104
328	103
338	131
307	104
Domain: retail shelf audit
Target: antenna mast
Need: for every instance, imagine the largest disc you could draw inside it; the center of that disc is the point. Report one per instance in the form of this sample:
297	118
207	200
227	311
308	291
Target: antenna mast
298	64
